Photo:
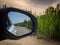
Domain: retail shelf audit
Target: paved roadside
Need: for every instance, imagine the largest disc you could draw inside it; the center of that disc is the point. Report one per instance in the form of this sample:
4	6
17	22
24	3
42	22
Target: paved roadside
22	30
30	40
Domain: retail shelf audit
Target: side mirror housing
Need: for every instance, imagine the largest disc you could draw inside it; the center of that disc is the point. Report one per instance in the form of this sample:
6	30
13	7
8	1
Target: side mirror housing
19	23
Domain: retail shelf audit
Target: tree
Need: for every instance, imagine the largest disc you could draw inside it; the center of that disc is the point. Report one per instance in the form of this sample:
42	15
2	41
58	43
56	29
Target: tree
50	10
25	21
49	23
58	6
4	6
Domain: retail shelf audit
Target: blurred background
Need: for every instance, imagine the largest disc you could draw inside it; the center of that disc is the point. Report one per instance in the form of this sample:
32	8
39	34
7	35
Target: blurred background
47	13
36	6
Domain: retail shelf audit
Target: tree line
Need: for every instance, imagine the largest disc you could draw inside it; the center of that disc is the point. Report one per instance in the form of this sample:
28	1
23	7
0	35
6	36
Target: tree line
25	23
49	23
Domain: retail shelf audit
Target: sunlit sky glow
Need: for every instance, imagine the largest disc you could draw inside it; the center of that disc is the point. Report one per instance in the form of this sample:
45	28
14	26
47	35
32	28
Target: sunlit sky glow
37	6
16	17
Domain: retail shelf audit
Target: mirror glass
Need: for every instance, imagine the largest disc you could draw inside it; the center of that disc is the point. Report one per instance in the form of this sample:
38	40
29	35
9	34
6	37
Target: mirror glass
19	23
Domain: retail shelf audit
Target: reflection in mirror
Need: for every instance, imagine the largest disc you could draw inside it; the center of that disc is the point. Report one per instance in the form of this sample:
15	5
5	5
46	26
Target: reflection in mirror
20	24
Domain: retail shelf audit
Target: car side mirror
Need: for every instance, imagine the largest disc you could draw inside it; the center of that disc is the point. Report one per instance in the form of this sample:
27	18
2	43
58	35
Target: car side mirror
20	24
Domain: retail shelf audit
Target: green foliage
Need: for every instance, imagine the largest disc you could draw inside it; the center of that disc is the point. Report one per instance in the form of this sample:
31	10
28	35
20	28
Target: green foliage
3	6
27	24
49	24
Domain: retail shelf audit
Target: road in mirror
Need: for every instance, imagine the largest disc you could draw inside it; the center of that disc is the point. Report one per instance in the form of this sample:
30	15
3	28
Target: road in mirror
20	24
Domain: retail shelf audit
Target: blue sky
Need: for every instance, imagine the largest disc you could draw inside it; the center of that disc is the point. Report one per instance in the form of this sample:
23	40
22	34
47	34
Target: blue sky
16	17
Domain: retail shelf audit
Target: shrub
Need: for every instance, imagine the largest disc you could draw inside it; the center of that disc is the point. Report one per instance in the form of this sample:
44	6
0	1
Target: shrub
49	24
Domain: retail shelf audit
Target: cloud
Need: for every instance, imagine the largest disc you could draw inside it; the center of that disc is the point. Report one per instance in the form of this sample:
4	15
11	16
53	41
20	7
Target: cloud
38	6
44	2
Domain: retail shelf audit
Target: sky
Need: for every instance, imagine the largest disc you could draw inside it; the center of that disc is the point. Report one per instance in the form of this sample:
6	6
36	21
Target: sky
16	17
37	6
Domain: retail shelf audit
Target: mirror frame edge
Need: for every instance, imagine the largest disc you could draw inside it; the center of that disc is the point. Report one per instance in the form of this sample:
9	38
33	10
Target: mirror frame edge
34	22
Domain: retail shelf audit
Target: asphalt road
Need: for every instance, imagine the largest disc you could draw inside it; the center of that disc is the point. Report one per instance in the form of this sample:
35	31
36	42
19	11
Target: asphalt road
29	40
22	30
